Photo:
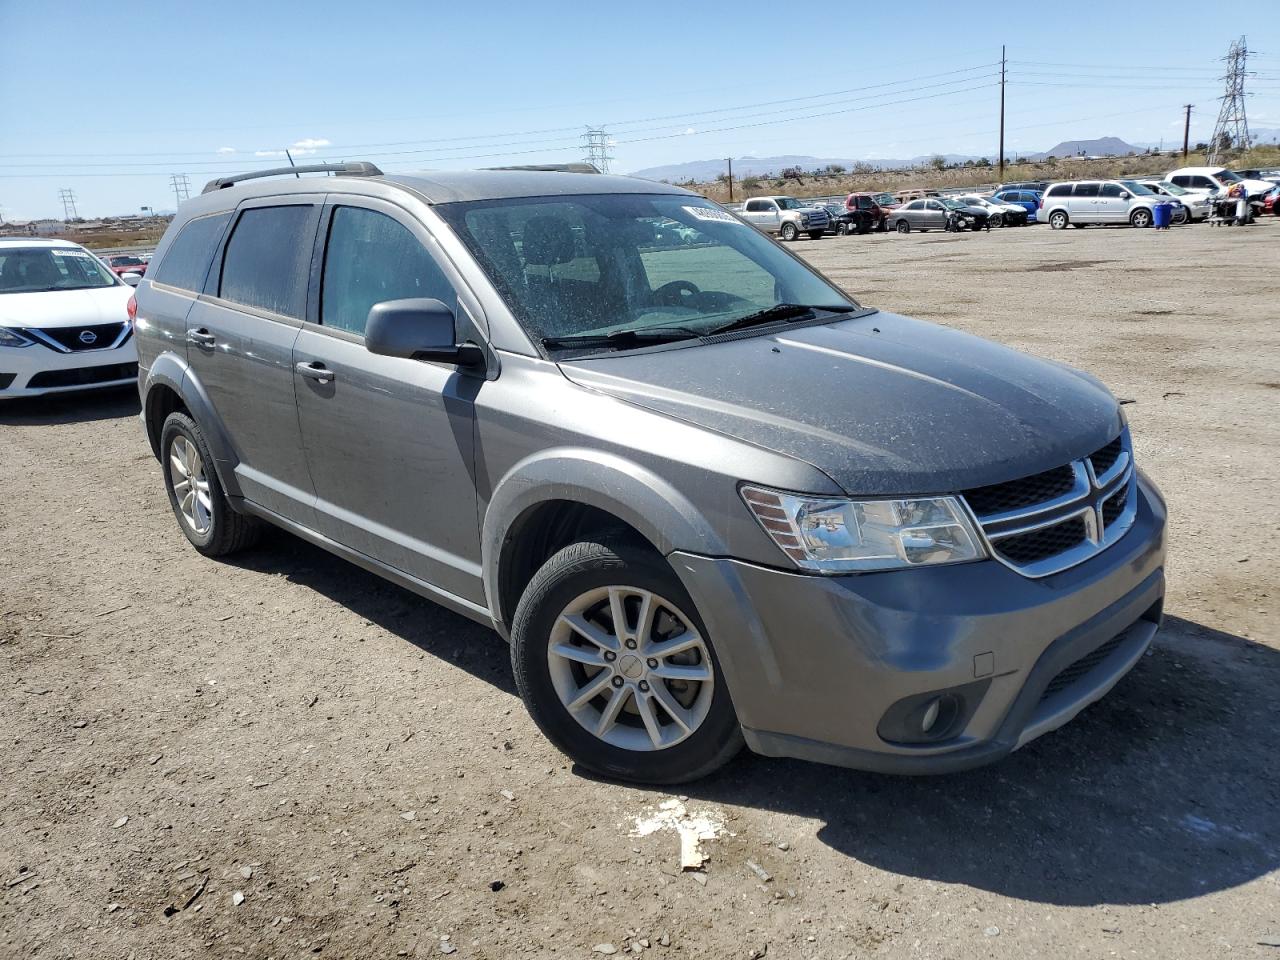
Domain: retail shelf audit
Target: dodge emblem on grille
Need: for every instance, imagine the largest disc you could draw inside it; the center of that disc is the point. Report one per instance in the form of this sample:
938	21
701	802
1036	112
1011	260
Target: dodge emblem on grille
87	337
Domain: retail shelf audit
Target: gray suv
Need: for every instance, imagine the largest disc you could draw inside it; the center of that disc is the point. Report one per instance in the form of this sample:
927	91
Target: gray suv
706	496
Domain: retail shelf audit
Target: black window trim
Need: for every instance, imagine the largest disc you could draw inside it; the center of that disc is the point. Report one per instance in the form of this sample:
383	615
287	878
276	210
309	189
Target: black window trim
214	279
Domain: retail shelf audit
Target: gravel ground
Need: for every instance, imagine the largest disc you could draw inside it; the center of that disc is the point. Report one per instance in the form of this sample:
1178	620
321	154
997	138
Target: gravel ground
284	756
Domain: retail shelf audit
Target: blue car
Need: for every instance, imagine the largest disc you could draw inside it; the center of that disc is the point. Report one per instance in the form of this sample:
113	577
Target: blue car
1027	199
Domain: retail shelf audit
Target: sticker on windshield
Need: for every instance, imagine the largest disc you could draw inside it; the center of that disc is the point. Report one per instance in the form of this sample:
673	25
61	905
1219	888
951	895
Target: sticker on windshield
73	253
712	214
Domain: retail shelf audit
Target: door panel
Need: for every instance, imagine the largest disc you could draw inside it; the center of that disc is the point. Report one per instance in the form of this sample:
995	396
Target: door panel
389	441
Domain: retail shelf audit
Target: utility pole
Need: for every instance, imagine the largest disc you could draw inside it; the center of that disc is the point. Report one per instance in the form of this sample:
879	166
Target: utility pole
1232	128
1186	133
596	142
1003	64
181	187
729	160
68	198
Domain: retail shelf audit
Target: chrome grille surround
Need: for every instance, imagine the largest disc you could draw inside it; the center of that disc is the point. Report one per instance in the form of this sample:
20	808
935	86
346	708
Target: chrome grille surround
1084	506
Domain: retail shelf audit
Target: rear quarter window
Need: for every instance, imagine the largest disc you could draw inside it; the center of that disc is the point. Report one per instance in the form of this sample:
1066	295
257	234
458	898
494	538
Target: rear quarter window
1059	190
186	262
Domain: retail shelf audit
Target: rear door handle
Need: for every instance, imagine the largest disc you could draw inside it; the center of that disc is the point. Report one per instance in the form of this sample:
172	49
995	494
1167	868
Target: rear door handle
315	370
201	337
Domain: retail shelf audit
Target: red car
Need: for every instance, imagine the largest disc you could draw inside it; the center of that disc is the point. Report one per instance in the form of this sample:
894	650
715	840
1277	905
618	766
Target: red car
879	205
122	263
1271	202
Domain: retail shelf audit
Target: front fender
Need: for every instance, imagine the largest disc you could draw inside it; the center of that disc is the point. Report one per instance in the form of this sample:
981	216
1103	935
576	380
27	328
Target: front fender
627	490
170	370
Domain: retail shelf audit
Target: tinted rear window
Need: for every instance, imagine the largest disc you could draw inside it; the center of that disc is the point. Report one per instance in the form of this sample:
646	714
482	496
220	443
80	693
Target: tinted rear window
186	263
1086	190
268	257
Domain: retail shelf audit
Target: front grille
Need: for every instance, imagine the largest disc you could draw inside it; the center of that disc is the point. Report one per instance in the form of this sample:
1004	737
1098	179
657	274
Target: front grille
99	336
1082	667
1001	497
1052	520
1104	459
83	376
1023	549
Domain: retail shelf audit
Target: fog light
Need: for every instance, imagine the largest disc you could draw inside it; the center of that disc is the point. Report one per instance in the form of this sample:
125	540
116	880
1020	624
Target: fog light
930	716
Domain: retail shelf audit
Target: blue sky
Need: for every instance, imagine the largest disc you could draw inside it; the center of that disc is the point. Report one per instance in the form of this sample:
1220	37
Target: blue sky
110	99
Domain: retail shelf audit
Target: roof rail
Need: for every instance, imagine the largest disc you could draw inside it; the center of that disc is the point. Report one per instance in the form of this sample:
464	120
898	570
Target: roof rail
355	168
553	167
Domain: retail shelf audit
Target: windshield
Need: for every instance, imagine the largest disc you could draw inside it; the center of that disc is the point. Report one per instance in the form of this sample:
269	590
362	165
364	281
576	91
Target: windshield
597	265
884	198
1138	189
791	203
1172	189
1228	176
38	269
125	261
952	204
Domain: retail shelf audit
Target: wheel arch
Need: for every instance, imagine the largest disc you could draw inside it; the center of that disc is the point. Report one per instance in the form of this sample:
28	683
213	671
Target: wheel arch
170	386
554	498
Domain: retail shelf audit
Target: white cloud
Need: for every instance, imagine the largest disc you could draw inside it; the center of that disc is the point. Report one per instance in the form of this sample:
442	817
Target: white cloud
226	150
268	153
689	131
311	143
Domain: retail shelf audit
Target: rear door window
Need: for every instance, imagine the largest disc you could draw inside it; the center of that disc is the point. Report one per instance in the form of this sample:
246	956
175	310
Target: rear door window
268	258
369	259
1086	190
186	262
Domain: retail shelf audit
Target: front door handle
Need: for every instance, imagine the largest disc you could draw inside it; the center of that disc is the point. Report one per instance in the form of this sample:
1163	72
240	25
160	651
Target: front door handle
201	337
315	370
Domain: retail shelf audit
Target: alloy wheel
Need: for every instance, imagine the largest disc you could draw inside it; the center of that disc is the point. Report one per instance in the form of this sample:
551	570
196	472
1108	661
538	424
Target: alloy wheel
190	484
631	668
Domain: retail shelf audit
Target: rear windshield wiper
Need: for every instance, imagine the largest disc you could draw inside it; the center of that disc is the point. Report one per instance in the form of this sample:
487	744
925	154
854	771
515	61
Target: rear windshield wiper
779	311
621	338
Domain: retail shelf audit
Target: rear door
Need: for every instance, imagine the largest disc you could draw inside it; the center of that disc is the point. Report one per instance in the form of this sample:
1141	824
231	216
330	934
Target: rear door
240	336
389	441
1083	204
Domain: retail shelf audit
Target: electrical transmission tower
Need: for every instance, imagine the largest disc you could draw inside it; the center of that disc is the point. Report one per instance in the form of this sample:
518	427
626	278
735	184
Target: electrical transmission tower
181	187
68	198
597	143
1232	129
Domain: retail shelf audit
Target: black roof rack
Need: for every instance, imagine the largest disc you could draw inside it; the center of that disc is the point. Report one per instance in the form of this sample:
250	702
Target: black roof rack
553	167
355	168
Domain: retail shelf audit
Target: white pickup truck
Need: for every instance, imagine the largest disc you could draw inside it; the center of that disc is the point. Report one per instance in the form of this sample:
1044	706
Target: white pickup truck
786	216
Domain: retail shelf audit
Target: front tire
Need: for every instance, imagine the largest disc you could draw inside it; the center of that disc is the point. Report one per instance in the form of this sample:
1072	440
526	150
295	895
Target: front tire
996	221
1058	220
616	668
904	227
1140	218
789	232
199	503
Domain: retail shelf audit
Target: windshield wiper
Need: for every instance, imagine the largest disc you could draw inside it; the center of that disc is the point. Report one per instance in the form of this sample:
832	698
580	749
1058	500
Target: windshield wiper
622	338
779	311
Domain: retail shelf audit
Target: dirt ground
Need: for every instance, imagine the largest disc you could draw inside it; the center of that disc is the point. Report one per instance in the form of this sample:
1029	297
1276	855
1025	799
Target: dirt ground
285	756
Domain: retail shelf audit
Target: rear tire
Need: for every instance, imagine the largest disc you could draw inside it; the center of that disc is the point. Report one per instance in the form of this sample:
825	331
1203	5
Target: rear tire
1058	220
572	605
996	221
199	503
816	234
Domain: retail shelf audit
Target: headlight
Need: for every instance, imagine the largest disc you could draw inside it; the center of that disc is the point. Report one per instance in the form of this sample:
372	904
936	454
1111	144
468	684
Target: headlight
830	535
11	338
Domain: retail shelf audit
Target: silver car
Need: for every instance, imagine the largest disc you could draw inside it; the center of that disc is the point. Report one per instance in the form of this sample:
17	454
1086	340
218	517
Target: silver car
931	213
1082	202
708	498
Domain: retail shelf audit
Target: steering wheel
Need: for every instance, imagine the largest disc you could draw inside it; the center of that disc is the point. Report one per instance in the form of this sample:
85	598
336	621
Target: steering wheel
677	293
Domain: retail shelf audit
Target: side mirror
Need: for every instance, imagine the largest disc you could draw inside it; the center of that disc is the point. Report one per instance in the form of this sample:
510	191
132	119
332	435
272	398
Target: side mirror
132	279
417	329
1124	196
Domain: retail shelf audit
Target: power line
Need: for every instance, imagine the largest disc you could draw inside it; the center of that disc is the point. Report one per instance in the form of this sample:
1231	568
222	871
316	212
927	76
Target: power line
68	198
1232	128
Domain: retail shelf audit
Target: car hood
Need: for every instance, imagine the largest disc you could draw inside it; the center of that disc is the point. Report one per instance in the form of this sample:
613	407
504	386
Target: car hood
65	308
883	404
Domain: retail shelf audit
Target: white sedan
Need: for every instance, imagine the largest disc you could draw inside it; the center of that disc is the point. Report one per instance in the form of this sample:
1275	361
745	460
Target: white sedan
1000	214
66	321
1197	203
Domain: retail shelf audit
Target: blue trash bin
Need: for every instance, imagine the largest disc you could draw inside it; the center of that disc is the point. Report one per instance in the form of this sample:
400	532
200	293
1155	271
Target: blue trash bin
1163	215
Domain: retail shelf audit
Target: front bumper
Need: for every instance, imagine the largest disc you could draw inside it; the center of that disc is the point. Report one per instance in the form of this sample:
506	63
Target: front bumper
37	370
814	664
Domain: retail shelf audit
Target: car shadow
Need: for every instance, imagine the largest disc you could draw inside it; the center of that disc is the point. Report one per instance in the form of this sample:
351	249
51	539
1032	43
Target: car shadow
428	626
1164	790
80	406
